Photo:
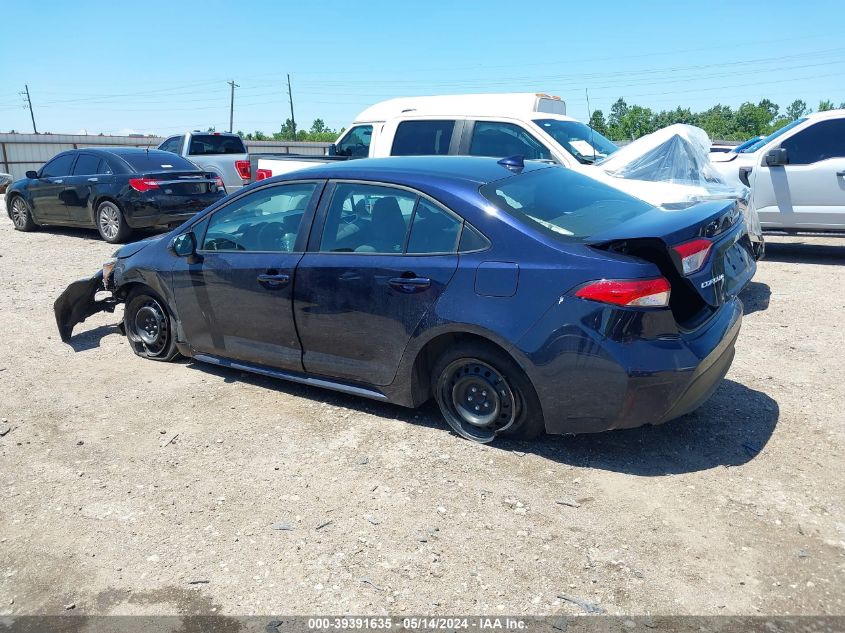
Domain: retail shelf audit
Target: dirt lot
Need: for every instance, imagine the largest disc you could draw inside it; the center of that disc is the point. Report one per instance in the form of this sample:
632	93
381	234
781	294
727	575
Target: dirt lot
128	486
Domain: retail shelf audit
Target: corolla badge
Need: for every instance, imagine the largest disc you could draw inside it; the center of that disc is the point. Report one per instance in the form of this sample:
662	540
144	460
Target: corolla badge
710	282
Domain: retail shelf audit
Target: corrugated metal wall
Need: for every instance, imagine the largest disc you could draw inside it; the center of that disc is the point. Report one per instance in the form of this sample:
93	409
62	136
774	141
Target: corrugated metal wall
22	152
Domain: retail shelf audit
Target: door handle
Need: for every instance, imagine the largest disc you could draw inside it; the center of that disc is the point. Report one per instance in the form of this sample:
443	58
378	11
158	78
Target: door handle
410	284
93	179
57	181
273	280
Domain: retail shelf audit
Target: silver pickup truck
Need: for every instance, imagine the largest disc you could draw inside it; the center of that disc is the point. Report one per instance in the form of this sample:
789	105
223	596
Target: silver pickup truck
221	153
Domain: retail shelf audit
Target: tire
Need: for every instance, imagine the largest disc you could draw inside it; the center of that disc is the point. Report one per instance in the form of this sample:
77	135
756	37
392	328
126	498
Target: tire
149	326
482	393
110	222
21	215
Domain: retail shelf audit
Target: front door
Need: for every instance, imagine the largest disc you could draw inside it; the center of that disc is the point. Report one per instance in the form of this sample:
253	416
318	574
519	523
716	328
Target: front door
47	202
235	301
383	258
808	192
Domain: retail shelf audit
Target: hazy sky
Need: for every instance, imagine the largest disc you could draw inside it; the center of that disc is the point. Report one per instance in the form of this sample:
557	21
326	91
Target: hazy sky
162	67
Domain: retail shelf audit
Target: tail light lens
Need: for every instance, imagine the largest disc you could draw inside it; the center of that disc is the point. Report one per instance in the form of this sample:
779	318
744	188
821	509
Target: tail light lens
693	254
243	168
263	174
642	293
143	184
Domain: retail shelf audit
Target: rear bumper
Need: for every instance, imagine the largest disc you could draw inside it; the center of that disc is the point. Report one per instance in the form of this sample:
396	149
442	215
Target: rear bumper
612	384
146	212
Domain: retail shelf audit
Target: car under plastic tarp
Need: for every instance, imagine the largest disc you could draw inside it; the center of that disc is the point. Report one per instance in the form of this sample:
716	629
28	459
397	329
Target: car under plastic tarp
671	168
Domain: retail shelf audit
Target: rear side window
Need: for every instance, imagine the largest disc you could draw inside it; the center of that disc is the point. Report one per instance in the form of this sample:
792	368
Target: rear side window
563	204
157	160
59	166
825	139
356	143
491	138
204	144
422	138
104	167
86	165
433	230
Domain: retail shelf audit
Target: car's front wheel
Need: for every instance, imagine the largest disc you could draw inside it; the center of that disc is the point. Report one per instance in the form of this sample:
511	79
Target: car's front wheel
483	393
149	326
21	215
111	224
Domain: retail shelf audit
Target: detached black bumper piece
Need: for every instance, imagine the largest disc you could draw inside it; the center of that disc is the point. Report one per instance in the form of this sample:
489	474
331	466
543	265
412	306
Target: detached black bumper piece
78	302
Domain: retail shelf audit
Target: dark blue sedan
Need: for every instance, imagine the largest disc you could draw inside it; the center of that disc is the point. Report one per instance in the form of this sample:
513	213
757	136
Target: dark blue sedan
523	297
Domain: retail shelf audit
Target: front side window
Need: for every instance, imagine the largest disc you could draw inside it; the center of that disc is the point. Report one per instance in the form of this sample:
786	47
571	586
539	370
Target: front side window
86	165
582	141
173	144
771	137
59	166
267	220
562	203
422	138
356	143
825	139
501	140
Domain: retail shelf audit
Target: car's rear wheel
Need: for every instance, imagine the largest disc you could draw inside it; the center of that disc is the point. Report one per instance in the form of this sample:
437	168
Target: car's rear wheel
111	224
483	393
21	215
149	326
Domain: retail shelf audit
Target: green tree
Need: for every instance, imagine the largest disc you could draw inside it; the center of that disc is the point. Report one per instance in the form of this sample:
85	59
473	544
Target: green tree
318	127
825	105
796	110
598	123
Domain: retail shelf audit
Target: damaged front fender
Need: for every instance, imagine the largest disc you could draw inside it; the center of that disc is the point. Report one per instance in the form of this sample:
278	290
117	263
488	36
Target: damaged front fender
78	302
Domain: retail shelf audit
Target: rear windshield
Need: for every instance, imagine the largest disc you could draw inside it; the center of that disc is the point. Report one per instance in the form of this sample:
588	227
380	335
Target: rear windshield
156	160
202	144
563	204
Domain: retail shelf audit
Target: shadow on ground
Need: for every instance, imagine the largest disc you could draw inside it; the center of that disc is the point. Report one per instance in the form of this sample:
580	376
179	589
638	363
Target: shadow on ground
89	339
728	430
94	236
805	253
755	297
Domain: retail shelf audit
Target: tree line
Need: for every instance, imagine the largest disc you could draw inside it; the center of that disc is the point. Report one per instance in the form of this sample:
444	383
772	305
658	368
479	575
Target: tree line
319	132
629	122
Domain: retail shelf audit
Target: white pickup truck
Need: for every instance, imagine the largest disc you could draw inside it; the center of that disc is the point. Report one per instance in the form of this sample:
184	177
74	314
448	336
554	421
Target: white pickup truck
796	174
668	168
221	153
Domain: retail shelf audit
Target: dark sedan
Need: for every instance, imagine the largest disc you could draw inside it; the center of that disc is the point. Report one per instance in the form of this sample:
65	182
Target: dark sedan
523	297
114	190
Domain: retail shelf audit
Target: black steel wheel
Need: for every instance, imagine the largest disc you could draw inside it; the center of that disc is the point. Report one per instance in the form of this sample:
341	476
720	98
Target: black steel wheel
149	327
483	393
21	215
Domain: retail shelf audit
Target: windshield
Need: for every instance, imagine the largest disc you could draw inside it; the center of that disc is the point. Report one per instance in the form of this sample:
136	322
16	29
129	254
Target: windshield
764	141
562	203
583	142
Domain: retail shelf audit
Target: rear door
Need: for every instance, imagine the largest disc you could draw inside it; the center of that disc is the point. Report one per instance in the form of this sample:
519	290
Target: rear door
808	192
235	302
47	193
372	274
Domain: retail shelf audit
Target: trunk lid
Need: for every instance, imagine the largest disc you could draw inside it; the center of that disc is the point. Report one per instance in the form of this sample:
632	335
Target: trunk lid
653	236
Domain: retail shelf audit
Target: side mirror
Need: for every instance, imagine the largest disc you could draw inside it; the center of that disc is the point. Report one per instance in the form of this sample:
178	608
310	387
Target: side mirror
775	157
32	175
184	245
333	149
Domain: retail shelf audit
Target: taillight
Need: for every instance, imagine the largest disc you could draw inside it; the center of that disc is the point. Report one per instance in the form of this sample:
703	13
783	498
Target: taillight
642	293
143	184
243	168
693	254
263	174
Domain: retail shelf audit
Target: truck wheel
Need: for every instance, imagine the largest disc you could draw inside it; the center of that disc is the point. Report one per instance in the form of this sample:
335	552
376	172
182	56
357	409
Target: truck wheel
483	393
111	224
21	215
149	326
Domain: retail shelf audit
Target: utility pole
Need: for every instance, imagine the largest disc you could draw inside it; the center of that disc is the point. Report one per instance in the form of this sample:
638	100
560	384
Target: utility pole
292	119
29	107
232	102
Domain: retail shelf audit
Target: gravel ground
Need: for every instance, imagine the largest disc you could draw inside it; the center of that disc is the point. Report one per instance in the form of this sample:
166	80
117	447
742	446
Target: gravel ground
128	486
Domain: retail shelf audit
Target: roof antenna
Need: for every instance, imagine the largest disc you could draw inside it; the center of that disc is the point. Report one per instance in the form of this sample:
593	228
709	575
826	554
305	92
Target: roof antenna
590	123
514	163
